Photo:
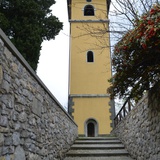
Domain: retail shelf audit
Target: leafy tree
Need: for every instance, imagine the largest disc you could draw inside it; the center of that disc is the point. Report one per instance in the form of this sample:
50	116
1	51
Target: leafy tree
27	23
136	57
124	13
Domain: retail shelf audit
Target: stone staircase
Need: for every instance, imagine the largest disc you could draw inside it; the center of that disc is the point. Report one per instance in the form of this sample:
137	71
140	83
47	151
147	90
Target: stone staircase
97	148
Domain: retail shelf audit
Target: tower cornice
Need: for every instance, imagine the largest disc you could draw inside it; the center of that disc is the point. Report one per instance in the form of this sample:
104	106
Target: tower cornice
91	21
88	95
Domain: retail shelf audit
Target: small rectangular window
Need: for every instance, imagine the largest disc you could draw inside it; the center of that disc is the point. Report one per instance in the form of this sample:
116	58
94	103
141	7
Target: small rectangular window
90	57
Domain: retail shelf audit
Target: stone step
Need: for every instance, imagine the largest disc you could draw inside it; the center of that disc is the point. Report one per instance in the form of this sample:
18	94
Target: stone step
97	153
97	146
99	158
111	141
97	138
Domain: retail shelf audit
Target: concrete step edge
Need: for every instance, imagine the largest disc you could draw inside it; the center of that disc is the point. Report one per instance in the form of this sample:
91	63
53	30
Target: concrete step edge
96	154
97	138
95	142
104	148
99	151
97	147
100	158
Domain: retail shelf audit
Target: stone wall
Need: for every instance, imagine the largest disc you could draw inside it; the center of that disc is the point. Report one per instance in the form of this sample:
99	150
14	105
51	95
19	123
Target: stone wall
33	124
140	130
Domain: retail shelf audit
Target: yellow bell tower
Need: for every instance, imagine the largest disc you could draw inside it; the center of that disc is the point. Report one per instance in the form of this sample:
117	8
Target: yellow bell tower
90	66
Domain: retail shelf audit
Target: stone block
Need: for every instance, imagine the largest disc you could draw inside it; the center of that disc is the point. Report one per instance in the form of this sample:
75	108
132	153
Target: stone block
3	121
1	139
9	157
19	108
36	107
24	134
16	138
1	44
2	158
34	157
4	150
7	150
40	98
8	141
8	54
14	67
4	129
6	86
22	117
17	126
19	153
14	116
1	75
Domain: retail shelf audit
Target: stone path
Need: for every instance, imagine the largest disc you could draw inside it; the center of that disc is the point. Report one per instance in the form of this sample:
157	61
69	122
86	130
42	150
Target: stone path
97	148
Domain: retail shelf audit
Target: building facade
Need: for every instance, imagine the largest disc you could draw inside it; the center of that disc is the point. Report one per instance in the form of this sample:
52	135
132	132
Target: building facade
90	66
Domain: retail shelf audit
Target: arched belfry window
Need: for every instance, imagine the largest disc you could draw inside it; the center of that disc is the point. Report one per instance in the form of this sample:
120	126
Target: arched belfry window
90	56
89	10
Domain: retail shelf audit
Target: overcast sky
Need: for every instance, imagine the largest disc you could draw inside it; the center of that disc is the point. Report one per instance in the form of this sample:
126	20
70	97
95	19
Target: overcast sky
54	59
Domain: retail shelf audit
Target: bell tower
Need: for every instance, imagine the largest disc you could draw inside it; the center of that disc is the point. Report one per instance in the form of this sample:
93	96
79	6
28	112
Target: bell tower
90	66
